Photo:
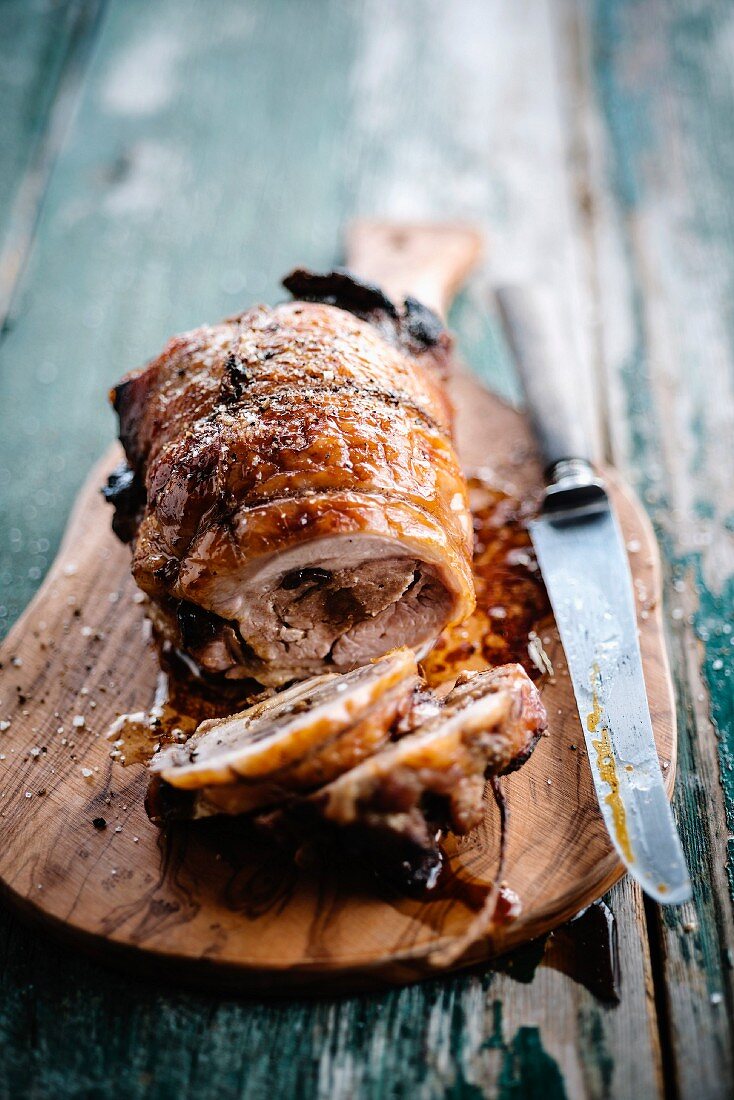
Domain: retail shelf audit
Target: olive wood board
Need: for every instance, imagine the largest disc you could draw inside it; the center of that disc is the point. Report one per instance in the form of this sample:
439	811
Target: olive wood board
206	903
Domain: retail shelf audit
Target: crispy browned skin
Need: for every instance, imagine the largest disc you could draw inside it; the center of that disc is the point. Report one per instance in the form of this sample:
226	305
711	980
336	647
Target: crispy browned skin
488	725
297	505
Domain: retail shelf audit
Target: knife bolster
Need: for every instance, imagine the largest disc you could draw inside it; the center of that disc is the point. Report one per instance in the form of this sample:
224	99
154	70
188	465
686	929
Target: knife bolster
574	491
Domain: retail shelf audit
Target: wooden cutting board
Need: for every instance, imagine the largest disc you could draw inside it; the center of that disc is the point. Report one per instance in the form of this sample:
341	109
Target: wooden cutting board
204	903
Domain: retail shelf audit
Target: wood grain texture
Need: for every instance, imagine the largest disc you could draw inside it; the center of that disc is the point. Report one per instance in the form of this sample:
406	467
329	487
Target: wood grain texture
250	138
659	252
216	906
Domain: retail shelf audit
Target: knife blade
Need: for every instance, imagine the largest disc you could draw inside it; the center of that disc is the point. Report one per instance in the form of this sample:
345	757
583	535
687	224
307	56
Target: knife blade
584	563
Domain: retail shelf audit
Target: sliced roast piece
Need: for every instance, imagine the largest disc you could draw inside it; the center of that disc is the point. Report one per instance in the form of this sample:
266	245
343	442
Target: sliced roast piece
293	742
434	778
405	770
304	510
319	765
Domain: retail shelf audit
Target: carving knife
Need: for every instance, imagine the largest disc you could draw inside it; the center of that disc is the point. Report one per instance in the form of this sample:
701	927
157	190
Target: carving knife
583	560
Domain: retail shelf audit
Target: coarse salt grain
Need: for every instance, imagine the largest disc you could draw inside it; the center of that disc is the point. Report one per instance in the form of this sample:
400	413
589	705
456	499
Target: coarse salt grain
79	721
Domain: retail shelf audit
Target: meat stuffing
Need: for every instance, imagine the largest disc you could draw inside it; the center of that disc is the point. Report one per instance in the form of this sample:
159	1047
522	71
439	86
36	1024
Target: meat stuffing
292	494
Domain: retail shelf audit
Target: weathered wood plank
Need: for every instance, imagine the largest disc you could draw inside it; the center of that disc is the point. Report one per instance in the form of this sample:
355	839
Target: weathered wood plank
505	132
32	48
654	138
158	218
43	53
79	1025
207	156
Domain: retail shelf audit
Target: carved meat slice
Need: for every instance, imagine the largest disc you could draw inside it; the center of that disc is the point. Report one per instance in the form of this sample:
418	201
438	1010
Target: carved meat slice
293	742
388	799
434	778
293	496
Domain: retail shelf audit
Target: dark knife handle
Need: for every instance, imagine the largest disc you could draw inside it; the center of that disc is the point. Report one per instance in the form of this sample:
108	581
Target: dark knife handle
543	349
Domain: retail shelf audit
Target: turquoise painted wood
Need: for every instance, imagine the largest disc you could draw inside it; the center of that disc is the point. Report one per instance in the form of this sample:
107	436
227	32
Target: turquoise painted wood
665	85
34	47
191	153
43	53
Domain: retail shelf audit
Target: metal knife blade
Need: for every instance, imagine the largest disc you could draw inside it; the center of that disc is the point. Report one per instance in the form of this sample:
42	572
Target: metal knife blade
584	564
585	568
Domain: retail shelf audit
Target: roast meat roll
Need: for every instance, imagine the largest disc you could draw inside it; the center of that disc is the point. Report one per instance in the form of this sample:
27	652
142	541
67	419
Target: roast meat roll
299	505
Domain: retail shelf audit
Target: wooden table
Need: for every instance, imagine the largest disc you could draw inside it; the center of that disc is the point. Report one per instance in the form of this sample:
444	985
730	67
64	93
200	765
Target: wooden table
163	164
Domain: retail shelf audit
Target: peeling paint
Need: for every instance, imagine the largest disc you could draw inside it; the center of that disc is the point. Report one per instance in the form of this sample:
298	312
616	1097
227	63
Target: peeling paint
528	1072
695	540
714	623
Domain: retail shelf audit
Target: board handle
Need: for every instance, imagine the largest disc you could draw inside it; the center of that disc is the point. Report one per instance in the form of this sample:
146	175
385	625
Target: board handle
429	261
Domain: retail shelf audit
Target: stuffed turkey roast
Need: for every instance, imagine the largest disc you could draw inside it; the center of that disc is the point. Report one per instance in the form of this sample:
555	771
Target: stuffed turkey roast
291	492
298	517
370	756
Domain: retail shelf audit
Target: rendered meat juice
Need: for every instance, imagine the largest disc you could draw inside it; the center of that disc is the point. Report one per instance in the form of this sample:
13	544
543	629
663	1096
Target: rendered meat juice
512	603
